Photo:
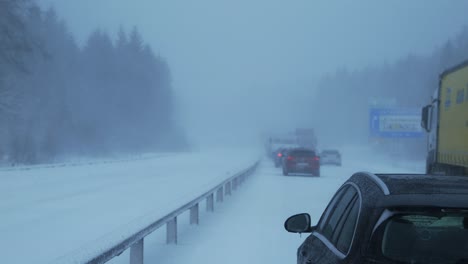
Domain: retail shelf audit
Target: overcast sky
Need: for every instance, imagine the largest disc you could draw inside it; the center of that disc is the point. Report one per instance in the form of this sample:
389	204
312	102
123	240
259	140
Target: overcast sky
254	63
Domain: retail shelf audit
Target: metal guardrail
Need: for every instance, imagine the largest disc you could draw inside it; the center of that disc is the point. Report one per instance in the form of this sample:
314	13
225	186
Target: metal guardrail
136	241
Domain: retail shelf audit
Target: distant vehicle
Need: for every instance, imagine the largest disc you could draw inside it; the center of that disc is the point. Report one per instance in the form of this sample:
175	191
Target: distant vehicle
330	156
446	120
280	154
275	143
306	138
301	160
383	218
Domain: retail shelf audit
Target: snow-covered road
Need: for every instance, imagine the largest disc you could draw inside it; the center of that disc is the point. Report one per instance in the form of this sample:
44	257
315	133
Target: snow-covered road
248	227
46	213
53	212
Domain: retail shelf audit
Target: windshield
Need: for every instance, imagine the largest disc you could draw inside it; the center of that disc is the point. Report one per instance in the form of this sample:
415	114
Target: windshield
426	238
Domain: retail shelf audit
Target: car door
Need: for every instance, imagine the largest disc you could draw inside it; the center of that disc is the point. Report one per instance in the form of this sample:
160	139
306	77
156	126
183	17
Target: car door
331	241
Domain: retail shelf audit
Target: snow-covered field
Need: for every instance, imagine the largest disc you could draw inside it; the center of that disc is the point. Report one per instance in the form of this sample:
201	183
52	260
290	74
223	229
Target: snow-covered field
50	214
47	213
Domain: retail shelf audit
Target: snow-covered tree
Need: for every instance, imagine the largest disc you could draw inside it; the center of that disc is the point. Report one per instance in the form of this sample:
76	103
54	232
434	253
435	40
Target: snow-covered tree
58	100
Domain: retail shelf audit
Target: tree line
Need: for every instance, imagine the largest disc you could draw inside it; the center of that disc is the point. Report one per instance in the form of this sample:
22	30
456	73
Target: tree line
409	82
59	100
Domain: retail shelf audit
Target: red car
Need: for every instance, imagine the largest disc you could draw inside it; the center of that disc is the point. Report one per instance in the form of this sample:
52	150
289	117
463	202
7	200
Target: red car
301	160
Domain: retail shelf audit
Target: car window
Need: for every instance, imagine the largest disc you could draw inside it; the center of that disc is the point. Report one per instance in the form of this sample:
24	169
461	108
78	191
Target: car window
342	219
429	237
338	212
347	230
331	206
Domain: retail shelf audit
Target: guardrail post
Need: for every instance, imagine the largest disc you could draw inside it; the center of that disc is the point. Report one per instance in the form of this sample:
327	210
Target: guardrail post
234	184
194	219
219	194
171	231
136	252
227	190
241	179
210	203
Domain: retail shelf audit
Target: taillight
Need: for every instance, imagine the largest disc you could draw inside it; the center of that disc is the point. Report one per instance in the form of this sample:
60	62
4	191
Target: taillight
291	158
316	158
280	155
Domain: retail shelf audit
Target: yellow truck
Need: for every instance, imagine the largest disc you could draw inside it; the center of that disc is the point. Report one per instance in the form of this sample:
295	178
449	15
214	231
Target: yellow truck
446	121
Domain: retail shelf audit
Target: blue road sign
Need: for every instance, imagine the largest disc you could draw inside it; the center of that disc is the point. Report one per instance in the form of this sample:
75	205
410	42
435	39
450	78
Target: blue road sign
395	123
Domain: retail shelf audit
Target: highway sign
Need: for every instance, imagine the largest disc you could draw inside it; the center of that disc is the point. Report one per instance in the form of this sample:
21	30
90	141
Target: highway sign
395	123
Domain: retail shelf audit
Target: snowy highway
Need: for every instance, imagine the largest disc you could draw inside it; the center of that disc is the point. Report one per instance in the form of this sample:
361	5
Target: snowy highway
248	227
51	213
48	213
143	133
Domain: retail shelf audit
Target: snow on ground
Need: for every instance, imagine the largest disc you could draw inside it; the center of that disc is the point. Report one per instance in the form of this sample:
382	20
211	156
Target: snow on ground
248	227
47	213
53	213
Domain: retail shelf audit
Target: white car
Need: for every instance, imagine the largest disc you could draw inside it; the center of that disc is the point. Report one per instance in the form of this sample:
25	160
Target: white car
330	156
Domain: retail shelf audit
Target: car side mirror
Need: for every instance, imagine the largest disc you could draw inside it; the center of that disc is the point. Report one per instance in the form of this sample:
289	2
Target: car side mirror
299	223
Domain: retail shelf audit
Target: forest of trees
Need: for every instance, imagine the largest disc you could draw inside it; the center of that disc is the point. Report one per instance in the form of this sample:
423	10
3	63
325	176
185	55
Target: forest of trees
59	101
410	82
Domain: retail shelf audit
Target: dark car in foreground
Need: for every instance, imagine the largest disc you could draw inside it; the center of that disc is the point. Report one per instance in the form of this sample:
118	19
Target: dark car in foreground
301	160
383	218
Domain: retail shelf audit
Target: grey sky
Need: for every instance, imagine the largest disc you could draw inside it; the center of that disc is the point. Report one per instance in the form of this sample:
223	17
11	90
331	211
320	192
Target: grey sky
254	63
